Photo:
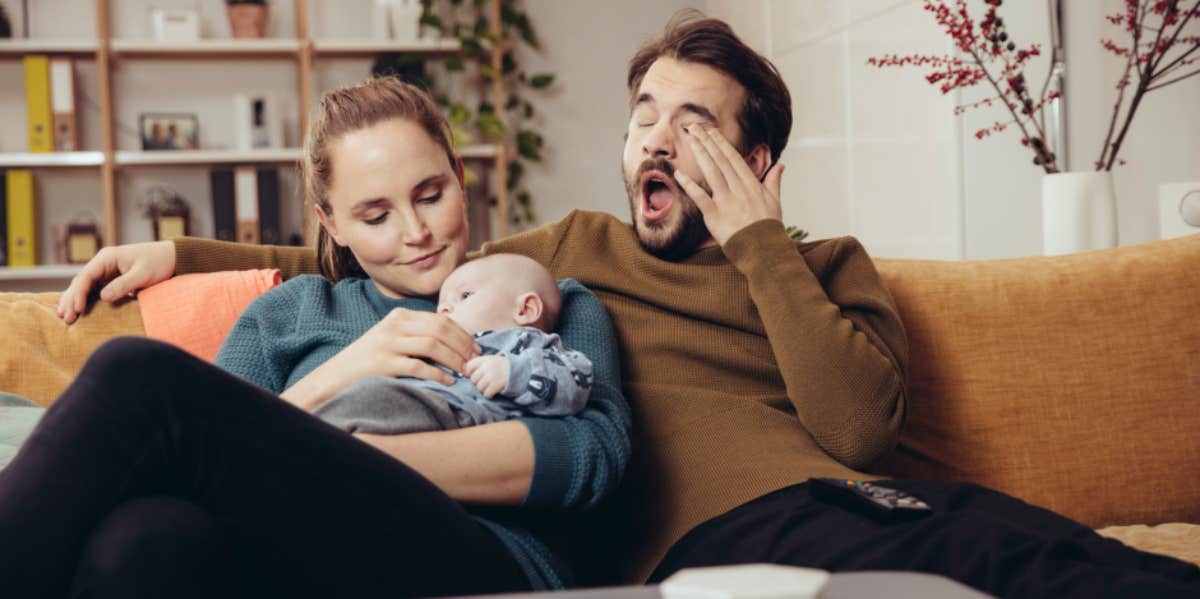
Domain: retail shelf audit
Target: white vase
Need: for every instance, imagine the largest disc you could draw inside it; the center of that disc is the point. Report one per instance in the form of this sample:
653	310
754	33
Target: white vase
406	17
1079	212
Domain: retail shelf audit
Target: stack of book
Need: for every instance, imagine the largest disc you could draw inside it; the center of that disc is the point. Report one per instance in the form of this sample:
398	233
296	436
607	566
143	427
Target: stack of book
18	240
245	202
50	103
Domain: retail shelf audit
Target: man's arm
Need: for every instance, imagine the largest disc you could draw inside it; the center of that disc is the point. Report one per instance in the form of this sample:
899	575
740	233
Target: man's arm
836	335
207	255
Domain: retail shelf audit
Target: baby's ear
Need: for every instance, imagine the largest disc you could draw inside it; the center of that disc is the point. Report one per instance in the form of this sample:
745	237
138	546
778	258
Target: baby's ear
529	309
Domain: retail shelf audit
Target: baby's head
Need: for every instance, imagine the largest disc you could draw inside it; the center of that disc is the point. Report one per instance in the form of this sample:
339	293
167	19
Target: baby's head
501	291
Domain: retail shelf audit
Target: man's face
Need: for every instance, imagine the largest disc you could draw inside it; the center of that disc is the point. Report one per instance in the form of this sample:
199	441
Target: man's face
674	95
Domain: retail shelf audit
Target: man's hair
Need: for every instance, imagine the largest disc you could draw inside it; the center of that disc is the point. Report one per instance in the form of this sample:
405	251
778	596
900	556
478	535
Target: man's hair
766	116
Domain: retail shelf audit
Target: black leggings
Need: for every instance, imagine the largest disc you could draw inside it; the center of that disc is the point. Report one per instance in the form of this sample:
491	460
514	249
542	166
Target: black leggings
156	463
986	539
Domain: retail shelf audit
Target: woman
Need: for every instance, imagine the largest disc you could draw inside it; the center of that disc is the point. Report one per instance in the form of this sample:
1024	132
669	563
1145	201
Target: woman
154	472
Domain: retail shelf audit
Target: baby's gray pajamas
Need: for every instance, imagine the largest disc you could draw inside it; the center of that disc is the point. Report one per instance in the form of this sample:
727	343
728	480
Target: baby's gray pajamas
544	379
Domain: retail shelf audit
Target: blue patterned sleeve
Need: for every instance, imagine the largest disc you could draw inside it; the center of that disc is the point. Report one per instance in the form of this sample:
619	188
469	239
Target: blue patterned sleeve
580	459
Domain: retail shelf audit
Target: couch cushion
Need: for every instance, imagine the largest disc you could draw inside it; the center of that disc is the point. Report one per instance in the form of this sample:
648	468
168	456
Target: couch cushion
40	353
1068	381
196	311
1175	539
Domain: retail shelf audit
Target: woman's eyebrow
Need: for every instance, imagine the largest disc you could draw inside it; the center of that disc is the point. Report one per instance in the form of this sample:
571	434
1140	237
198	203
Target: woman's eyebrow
367	203
428	182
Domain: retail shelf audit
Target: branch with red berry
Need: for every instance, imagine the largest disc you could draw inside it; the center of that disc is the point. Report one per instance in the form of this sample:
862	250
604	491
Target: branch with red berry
1161	53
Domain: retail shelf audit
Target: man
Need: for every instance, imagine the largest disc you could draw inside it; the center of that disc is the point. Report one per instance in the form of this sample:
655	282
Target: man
753	363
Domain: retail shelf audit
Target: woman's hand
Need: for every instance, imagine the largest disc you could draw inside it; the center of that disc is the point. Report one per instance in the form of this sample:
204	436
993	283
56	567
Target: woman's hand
138	264
396	346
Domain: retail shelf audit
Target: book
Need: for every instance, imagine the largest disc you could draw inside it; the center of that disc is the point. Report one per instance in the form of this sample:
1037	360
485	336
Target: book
269	231
37	103
22	217
3	220
62	104
245	202
224	215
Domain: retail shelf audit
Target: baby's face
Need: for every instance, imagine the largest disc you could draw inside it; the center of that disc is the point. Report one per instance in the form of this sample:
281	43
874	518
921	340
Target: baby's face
479	298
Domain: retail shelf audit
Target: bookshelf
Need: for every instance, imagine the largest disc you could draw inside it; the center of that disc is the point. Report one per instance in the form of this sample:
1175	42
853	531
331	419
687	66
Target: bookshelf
298	47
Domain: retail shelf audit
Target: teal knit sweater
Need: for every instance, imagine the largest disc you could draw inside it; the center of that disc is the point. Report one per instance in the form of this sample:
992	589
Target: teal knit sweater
290	330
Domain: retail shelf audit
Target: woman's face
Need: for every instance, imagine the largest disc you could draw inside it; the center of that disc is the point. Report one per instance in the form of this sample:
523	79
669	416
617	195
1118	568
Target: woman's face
399	206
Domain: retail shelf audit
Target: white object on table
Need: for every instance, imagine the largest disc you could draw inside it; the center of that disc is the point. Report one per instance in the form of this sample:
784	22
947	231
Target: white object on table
748	581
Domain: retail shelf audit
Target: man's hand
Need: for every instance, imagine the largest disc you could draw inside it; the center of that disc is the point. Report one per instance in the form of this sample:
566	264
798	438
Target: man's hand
138	265
738	198
489	373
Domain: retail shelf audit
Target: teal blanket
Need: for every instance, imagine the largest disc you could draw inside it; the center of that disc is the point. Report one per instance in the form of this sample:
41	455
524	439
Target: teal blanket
18	416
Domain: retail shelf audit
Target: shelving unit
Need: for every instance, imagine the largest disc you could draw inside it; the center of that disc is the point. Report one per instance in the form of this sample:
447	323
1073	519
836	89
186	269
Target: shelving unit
302	48
40	273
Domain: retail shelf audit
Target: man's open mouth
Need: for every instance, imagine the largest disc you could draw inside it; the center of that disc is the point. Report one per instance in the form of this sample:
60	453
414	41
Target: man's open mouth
658	194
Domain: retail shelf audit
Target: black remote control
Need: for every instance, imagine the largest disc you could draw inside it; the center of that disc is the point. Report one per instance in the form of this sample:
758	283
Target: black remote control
880	502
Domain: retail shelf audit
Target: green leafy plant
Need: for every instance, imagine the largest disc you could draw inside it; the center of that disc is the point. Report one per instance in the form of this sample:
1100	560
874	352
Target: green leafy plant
796	233
513	125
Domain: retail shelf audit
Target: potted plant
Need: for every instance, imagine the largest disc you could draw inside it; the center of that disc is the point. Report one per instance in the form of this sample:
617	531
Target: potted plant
247	18
1161	46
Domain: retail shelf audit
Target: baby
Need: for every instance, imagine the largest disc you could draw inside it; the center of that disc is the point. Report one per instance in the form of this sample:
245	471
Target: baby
510	304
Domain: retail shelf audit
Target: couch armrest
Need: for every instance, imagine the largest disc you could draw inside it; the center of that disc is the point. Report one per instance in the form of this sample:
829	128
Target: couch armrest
40	354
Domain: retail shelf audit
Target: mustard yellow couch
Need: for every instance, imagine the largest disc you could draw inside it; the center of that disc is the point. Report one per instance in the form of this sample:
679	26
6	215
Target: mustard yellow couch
1072	382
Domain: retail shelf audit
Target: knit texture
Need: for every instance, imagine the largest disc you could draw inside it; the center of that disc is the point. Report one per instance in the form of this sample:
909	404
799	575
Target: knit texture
289	331
749	368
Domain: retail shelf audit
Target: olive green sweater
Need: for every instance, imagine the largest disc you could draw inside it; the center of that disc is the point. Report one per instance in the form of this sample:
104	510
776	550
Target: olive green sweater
749	367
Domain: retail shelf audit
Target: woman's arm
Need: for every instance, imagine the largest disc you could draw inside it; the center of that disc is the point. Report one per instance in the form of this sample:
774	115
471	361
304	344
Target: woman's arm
569	462
489	464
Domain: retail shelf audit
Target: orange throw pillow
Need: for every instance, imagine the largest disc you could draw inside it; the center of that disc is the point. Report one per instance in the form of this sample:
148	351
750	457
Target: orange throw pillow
196	311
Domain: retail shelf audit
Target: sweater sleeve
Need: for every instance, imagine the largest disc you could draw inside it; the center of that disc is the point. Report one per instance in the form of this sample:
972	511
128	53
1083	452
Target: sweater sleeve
841	323
541	243
207	255
579	459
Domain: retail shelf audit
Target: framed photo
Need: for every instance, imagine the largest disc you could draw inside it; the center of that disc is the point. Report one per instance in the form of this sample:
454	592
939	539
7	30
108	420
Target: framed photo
164	131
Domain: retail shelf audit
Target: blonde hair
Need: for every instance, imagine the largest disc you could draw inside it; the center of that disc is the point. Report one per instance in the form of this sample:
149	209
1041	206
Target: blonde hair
346	110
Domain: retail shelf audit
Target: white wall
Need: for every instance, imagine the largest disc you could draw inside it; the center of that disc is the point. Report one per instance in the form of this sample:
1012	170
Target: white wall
584	114
873	153
878	153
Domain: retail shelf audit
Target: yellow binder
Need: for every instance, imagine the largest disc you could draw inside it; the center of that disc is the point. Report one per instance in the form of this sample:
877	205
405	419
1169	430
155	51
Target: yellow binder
37	103
22	219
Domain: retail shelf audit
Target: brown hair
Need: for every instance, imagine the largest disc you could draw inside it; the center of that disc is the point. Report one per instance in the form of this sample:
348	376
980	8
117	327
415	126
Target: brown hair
766	116
350	109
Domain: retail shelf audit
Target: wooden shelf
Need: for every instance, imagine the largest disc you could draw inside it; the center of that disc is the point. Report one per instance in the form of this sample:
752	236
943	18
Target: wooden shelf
51	159
479	151
41	272
17	48
359	48
184	157
225	48
300	49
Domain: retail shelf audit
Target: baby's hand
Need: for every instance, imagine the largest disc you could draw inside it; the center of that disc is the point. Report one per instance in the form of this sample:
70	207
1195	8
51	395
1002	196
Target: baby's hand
489	373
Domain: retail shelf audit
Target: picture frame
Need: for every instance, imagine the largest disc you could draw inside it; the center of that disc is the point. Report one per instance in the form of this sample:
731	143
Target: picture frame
168	131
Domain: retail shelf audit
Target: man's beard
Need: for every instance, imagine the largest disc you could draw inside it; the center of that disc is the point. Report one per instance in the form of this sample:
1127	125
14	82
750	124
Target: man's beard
663	238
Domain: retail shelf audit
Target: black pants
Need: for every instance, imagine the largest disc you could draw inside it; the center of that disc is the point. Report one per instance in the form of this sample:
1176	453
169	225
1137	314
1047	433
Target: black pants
982	538
156	473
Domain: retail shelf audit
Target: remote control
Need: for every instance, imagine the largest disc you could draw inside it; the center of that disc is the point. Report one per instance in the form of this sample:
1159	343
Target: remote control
884	503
